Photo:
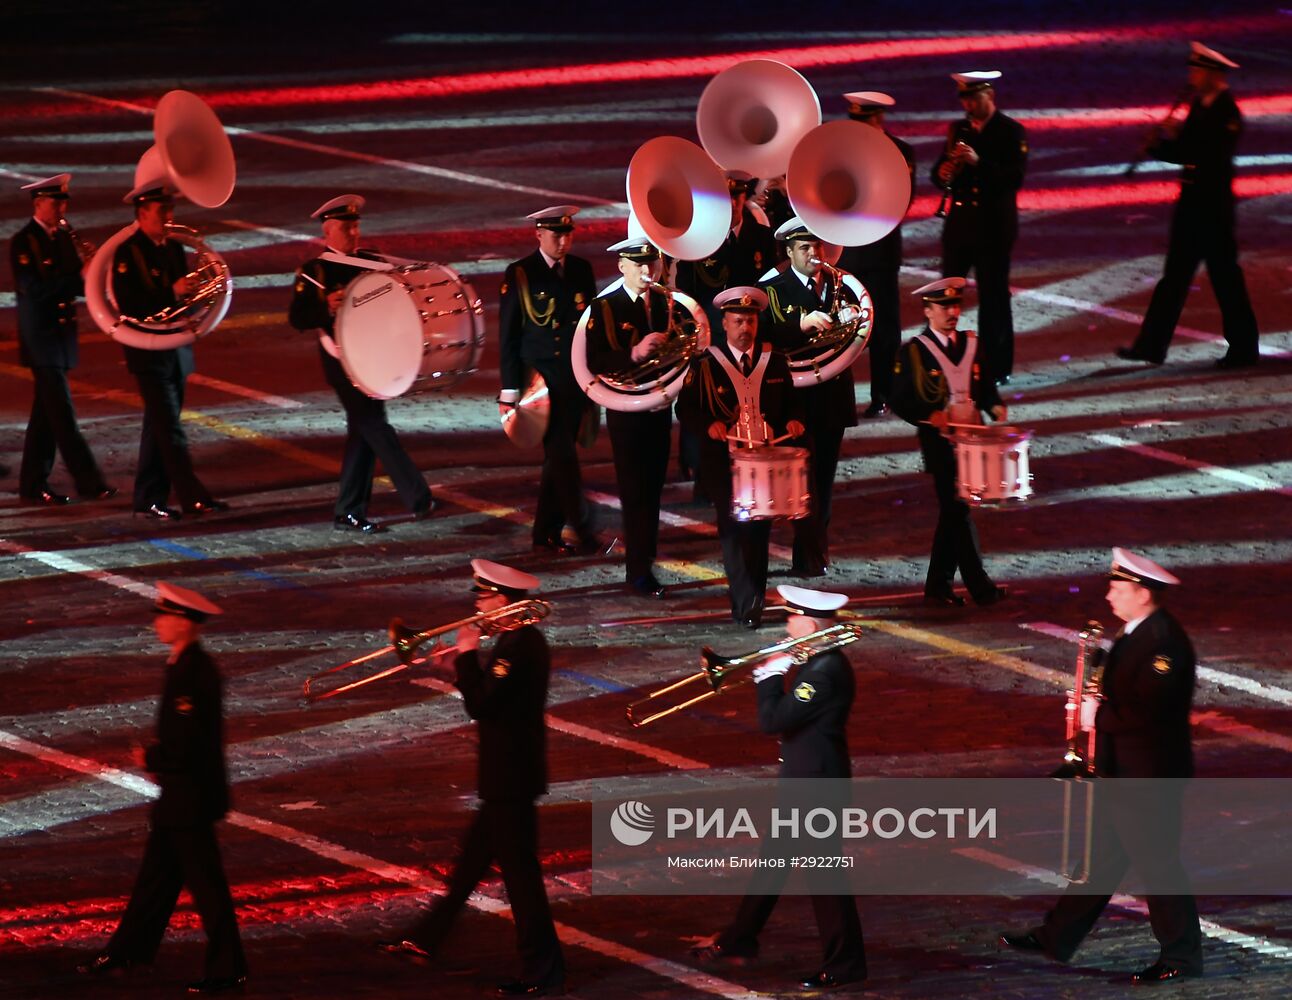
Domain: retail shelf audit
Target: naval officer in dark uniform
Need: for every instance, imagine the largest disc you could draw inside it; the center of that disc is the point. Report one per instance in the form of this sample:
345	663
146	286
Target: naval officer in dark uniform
505	691
945	375
983	163
798	307
319	292
1202	226
149	274
187	761
47	278
626	328
734	369
543	296
1142	730
810	715
877	264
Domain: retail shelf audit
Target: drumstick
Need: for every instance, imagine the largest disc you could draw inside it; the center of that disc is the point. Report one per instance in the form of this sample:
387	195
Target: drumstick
312	281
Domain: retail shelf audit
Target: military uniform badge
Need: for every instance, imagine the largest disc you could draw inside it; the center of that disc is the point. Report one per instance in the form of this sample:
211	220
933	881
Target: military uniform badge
1162	663
501	668
804	691
184	704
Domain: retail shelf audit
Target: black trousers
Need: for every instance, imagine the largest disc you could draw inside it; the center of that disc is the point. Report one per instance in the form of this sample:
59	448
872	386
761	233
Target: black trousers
812	533
966	245
164	461
503	831
640	442
560	488
174	859
368	437
52	425
744	559
955	540
886	334
1122	838
1198	234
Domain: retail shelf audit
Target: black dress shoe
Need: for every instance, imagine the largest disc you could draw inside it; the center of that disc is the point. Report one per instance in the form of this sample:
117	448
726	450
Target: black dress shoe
1230	361
648	586
104	964
712	954
1160	972
106	493
1002	380
554	546
218	984
520	988
207	507
943	601
48	499
409	949
825	981
751	622
993	596
1022	942
1130	354
425	510
159	512
876	409
357	522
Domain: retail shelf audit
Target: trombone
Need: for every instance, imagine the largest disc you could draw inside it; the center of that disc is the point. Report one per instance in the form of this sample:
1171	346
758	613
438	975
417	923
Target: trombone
714	675
405	642
1079	758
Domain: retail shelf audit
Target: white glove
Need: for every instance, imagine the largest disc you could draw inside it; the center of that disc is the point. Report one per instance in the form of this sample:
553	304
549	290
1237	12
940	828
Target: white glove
1089	708
777	666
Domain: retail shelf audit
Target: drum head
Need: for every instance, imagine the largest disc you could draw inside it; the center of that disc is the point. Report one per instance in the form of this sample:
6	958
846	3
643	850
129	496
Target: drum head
379	335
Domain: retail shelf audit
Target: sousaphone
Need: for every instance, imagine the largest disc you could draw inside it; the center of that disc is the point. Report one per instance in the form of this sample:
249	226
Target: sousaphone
752	115
678	197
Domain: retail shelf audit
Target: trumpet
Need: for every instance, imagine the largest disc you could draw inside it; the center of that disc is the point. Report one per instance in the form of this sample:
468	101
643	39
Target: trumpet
715	673
1154	130
405	643
84	248
1079	758
954	138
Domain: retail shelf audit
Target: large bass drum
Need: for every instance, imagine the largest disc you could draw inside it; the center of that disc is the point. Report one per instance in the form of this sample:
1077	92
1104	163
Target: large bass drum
417	325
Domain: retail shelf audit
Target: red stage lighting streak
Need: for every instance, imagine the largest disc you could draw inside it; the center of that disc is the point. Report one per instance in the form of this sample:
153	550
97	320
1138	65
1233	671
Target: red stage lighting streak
640	71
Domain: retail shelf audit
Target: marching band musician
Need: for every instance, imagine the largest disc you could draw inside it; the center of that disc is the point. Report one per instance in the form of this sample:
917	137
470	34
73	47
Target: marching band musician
798	307
877	265
182	852
1142	730
505	692
149	274
319	292
1202	227
810	715
981	167
738	384
625	329
543	296
47	277
944	375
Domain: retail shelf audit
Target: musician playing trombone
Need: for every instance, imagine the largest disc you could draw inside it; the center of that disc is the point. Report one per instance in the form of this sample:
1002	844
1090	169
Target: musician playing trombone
47	275
505	691
319	292
809	712
736	388
1142	730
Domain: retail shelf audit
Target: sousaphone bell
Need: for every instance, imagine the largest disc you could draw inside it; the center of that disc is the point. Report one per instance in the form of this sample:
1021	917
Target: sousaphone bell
752	115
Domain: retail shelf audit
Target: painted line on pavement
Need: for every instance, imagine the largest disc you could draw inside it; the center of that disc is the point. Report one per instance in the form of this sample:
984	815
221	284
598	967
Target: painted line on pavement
282	402
691	978
1250	942
1219	471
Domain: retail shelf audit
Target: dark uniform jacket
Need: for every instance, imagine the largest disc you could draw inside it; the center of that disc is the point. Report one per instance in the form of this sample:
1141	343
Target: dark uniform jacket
920	388
617	324
505	691
884	254
188	757
708	395
309	309
985	196
1142	729
143	274
538	312
810	715
1205	147
47	280
833	403
741	260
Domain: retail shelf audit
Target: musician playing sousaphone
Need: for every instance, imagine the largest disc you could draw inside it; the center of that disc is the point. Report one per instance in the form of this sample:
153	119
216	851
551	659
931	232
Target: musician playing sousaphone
944	376
318	294
739	388
626	328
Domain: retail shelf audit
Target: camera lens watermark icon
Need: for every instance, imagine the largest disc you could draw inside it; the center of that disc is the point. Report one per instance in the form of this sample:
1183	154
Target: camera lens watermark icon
632	823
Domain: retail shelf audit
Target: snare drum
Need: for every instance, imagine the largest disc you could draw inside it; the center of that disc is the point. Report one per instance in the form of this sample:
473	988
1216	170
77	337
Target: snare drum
991	463
418	324
769	483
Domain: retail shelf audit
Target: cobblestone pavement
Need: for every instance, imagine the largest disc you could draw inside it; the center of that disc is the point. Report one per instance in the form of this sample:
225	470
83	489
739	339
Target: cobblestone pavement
348	811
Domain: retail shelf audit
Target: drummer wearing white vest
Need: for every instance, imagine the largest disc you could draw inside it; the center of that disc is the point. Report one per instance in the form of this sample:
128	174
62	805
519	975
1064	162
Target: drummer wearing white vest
944	376
319	292
738	388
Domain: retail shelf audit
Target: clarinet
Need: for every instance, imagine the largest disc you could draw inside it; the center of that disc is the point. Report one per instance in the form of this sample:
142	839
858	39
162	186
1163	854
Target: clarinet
1153	131
954	137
